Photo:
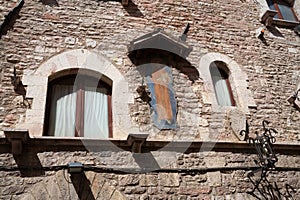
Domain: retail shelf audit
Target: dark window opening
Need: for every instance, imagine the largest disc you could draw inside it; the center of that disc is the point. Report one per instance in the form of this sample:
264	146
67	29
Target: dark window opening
80	106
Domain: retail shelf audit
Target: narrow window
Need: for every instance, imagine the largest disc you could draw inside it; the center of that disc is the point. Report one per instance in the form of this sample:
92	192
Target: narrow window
284	9
78	106
220	77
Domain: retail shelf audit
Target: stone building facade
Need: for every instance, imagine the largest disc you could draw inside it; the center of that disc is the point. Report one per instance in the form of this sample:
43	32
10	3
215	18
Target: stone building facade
200	153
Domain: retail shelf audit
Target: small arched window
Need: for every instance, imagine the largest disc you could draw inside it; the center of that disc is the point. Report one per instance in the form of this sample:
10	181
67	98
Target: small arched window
80	106
220	78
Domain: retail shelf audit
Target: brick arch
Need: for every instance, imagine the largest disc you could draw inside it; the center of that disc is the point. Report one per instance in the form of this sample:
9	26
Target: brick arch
60	186
239	82
80	59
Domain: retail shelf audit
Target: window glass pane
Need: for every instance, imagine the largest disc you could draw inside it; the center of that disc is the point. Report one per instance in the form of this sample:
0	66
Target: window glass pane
95	113
284	8
271	4
220	85
286	12
62	111
272	7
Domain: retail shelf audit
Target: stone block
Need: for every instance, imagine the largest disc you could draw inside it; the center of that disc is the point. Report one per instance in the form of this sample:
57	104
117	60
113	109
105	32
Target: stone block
169	179
135	190
90	43
194	191
39	103
293	50
90	175
71	40
36	91
242	196
97	184
35	129
25	196
40	192
148	180
105	192
212	162
117	195
128	180
53	189
39	49
214	178
167	159
237	119
72	193
204	134
13	58
12	189
34	116
62	183
34	80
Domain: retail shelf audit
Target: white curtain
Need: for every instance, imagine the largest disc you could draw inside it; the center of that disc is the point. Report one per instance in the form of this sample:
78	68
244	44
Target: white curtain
63	110
221	88
95	114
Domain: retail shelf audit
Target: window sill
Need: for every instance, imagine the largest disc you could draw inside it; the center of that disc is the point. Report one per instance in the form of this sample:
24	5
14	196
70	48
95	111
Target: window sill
269	20
268	16
285	23
54	144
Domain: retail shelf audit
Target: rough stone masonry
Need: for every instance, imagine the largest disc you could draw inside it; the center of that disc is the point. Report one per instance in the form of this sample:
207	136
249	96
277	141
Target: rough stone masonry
266	73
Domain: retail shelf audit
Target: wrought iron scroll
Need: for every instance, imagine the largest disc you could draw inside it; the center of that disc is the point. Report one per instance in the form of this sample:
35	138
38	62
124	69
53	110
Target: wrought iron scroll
263	143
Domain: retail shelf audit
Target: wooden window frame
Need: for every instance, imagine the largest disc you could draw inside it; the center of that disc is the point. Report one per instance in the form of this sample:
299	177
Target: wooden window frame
280	16
225	76
79	119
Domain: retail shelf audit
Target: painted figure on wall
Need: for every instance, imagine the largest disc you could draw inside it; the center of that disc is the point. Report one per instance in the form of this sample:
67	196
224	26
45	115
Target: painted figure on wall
160	83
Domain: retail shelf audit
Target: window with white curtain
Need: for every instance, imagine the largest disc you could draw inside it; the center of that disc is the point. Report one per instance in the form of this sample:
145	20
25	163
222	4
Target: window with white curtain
78	106
220	78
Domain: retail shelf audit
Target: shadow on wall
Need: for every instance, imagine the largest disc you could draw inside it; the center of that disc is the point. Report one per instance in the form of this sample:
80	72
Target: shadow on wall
50	2
275	31
132	9
28	161
143	57
82	186
146	161
29	164
11	18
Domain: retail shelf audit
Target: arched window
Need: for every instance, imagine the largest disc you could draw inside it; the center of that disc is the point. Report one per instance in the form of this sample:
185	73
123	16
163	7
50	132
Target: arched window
220	78
80	106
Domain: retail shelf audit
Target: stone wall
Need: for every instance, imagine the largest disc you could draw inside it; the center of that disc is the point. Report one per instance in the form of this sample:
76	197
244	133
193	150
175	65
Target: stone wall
110	175
224	27
227	27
